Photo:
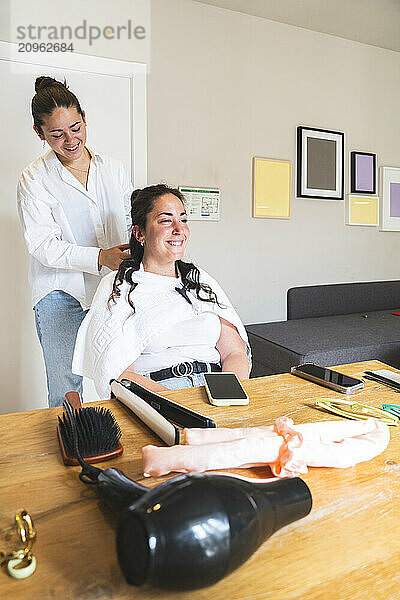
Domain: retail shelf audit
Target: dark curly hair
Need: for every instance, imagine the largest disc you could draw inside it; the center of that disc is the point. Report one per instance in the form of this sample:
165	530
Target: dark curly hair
142	203
51	94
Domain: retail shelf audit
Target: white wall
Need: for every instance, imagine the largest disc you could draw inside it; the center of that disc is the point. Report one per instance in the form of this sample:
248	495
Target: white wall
224	87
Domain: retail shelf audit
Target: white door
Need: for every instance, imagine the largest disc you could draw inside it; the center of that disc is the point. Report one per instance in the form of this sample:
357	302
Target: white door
112	93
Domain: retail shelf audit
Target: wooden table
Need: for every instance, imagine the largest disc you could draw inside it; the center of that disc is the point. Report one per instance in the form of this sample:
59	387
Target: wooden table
348	547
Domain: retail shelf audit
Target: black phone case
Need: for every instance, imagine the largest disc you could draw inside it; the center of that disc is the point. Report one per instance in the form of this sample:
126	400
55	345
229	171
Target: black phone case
328	384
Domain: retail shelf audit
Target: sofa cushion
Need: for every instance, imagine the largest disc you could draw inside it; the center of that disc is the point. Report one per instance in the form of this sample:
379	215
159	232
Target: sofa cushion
326	341
341	299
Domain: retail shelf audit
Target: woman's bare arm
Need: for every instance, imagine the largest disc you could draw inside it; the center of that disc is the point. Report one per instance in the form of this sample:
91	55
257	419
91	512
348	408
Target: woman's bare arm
232	351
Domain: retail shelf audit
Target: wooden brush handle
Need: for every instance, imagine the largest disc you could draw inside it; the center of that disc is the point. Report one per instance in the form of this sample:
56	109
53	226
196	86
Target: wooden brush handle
74	399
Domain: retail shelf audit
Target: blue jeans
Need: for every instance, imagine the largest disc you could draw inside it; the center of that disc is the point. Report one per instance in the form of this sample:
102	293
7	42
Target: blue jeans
58	317
178	383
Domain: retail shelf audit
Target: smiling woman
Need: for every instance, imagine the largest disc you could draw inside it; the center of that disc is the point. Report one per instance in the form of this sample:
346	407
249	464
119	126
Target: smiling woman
165	236
74	208
159	321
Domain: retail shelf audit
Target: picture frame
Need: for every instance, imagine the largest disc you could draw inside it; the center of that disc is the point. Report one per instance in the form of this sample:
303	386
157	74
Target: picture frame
362	173
271	188
362	210
202	203
389	191
320	163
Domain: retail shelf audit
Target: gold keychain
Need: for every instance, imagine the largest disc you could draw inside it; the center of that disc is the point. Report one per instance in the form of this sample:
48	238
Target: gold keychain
27	535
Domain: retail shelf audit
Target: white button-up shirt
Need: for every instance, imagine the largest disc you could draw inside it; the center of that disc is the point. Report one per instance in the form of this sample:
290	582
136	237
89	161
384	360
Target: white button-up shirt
65	225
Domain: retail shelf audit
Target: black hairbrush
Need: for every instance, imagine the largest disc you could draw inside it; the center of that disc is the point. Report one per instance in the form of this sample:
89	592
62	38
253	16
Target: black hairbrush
98	432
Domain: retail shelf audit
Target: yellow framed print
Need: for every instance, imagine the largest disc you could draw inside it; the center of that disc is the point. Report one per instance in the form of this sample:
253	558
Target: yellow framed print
271	188
362	210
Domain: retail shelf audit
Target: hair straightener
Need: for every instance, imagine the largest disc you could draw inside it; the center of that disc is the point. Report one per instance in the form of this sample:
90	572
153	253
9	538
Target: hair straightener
157	412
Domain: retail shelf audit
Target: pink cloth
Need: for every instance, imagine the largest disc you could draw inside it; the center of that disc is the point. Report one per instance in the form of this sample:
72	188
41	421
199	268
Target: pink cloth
287	448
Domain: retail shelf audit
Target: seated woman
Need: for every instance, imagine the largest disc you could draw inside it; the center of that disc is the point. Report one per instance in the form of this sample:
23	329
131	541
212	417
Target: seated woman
159	321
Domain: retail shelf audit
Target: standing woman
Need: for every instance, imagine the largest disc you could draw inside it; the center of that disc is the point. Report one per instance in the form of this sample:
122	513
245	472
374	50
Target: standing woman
74	208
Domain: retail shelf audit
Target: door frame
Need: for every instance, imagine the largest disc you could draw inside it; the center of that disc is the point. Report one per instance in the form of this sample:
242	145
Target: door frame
134	71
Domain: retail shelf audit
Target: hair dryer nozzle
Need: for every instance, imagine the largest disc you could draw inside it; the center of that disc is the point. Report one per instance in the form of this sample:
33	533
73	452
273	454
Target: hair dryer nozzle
193	530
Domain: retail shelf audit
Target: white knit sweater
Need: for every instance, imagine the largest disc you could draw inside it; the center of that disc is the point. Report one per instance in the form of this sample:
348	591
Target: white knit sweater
112	337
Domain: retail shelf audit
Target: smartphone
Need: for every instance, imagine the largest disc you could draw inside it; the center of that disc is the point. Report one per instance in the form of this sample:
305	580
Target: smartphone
225	389
328	378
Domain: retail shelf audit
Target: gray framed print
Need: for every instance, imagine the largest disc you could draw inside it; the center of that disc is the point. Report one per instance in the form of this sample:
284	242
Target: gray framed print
320	163
362	173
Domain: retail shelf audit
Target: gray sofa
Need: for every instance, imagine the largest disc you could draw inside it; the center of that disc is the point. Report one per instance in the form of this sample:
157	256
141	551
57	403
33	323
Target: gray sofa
330	325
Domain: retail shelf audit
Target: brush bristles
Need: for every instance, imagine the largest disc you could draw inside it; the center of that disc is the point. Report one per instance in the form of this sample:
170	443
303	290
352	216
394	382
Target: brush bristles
98	431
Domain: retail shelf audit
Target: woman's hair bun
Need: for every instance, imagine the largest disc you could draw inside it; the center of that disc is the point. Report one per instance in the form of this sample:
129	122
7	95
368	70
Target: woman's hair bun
44	82
135	194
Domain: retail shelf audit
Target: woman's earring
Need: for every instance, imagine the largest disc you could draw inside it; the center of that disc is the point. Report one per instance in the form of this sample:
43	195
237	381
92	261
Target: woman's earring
44	143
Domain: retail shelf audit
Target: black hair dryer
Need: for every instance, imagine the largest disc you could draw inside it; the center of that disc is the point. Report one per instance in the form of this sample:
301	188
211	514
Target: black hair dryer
193	530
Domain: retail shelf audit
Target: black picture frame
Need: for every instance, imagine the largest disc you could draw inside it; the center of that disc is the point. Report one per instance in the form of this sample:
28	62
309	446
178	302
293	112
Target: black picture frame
323	178
355	188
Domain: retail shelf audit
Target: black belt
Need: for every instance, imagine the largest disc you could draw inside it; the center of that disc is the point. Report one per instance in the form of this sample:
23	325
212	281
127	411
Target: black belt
184	369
